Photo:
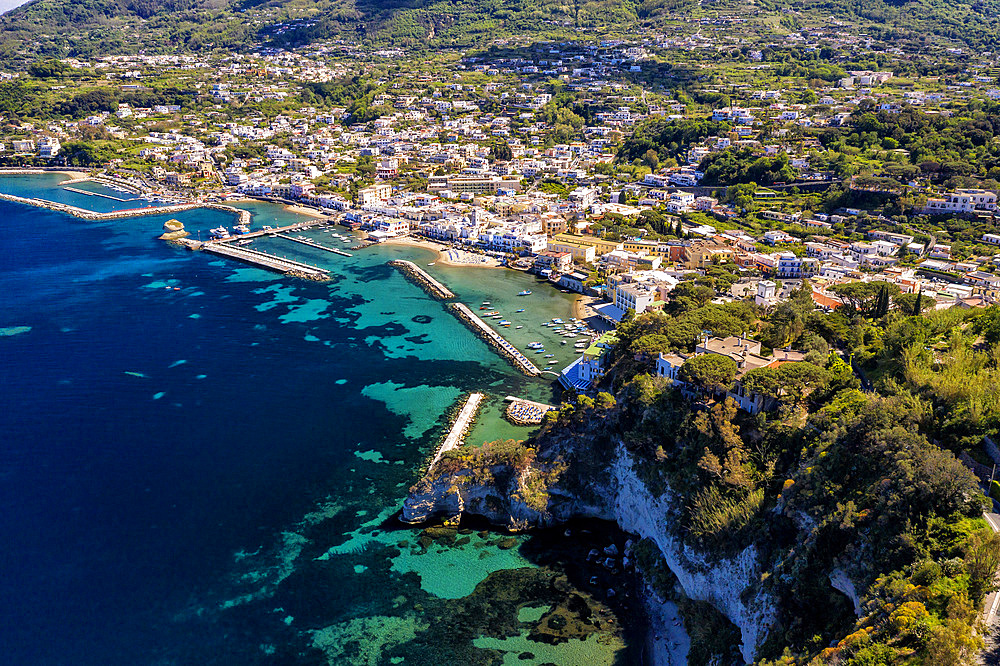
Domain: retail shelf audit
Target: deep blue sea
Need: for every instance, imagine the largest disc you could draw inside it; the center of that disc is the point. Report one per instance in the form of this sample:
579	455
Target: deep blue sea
200	460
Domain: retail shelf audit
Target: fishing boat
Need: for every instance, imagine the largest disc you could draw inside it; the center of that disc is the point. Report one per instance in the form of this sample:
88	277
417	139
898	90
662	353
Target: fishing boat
521	310
524	293
504	322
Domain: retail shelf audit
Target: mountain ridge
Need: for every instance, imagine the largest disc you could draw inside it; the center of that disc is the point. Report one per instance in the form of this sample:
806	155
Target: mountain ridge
88	28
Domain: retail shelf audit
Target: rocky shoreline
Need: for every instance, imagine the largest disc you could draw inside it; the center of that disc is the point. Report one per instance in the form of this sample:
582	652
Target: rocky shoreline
502	496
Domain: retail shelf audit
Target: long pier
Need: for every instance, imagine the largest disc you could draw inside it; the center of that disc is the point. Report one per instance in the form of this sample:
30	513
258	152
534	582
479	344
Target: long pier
423	279
306	241
459	428
481	328
98	194
83	213
264	260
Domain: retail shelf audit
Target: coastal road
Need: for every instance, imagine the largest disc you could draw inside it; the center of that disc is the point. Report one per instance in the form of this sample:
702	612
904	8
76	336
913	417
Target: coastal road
991	608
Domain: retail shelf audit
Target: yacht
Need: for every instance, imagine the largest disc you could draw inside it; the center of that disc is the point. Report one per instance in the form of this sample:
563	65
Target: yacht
219	232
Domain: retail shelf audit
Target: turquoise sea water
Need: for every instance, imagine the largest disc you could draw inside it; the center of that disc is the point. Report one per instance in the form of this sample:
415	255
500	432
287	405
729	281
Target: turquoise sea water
201	460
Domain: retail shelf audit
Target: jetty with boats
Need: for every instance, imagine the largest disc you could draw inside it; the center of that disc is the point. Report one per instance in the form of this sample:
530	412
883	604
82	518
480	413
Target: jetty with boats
494	339
310	243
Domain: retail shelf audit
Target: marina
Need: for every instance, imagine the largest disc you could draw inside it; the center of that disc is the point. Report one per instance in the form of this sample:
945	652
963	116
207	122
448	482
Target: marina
310	243
99	194
420	277
519	360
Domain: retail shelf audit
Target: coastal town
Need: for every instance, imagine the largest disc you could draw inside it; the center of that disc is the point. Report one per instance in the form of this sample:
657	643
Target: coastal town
488	157
768	236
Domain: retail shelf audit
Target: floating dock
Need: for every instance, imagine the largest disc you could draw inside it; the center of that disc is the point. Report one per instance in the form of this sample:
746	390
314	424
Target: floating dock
525	412
98	194
482	329
263	260
420	277
306	241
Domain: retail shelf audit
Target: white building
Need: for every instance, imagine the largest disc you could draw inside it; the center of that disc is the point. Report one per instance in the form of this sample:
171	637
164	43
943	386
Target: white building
962	201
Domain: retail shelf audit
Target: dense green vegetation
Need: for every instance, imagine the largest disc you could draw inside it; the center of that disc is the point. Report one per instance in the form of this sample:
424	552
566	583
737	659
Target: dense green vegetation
83	28
668	138
833	481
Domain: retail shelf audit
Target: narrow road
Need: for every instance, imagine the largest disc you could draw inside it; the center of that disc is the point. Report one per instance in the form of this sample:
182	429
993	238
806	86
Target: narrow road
991	654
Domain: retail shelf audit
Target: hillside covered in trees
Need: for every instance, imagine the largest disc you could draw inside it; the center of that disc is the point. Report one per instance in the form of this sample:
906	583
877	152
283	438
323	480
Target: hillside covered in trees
85	28
867	527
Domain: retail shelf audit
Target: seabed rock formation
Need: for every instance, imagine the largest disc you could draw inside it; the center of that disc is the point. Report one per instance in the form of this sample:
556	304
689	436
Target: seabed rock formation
507	497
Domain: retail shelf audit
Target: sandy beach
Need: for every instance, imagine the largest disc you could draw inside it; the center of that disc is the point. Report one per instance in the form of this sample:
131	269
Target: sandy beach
447	255
71	175
305	210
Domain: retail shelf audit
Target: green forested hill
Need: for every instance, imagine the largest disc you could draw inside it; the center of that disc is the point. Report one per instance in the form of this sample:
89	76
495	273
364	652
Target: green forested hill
86	27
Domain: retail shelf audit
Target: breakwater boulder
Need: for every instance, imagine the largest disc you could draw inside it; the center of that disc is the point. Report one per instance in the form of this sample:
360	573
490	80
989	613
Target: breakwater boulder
174	230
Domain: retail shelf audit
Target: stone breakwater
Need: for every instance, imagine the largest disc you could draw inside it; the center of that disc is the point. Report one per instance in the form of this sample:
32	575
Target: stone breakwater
459	427
83	213
494	339
421	278
264	260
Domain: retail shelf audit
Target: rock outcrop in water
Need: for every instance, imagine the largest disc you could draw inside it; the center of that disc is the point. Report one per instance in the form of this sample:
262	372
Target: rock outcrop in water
565	478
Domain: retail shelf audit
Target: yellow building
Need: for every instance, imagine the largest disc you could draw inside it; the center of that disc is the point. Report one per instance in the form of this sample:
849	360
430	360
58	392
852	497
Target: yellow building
584	254
642	247
600	245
